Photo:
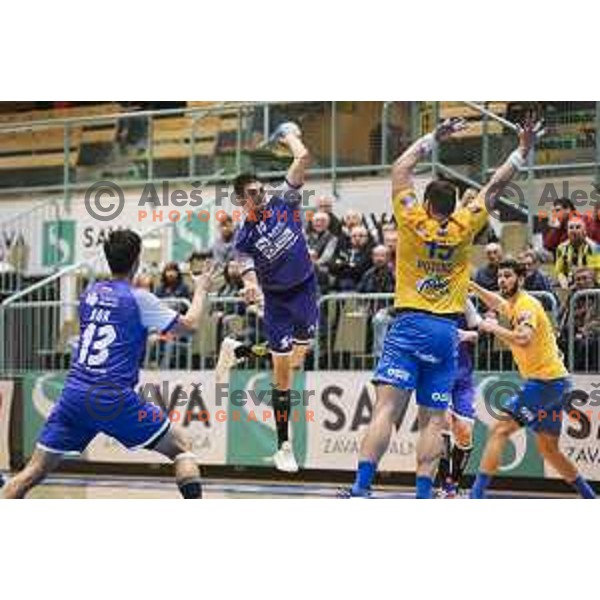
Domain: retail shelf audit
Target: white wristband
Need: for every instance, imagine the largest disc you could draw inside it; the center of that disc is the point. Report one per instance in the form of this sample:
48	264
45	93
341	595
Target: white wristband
427	144
516	159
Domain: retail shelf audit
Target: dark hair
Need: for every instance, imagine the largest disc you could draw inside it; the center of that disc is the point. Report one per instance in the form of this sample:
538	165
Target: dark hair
171	266
241	181
441	196
227	218
564	203
122	249
513	265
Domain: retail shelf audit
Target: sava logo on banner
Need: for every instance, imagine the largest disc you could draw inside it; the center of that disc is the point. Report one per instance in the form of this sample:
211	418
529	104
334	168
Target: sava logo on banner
580	439
343	407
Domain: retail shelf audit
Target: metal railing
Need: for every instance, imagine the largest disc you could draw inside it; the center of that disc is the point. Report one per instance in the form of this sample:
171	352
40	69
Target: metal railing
352	329
42	225
215	142
41	335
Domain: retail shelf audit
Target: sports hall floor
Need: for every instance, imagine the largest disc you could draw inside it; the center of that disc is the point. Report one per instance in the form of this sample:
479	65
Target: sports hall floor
68	486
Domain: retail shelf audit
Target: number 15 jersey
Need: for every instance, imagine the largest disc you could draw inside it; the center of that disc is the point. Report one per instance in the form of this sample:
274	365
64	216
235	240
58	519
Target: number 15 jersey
433	259
115	319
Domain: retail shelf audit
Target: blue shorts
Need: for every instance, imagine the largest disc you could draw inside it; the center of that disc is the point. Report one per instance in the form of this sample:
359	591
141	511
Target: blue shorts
419	354
79	416
463	397
540	404
291	316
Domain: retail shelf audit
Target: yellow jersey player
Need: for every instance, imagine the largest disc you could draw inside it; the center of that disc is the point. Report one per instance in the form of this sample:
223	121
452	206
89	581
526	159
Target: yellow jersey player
432	280
543	397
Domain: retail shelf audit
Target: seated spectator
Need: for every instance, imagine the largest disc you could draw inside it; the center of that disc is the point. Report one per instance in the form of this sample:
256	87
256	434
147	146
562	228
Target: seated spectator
576	251
379	279
222	250
535	280
233	284
196	262
173	352
556	227
350	265
172	284
487	276
351	219
592	223
390	241
325	205
321	240
586	321
321	273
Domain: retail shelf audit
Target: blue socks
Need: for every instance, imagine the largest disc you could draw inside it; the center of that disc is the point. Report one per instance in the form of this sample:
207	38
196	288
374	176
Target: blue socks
424	488
364	477
584	488
482	481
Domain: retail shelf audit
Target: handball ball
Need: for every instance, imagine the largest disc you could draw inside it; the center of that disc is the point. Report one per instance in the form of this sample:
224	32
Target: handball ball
290	127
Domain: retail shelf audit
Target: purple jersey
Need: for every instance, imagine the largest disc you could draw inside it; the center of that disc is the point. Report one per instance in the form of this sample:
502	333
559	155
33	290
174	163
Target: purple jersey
114	322
273	243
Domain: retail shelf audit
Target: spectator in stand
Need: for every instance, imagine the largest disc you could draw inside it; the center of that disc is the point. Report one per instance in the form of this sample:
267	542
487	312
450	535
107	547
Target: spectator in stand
351	219
222	248
379	279
351	264
233	283
535	280
321	240
556	229
390	241
172	285
172	352
487	276
325	205
321	272
586	321
592	223
577	250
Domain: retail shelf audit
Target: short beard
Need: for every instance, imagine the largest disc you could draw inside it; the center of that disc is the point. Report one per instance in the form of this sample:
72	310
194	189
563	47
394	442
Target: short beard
511	293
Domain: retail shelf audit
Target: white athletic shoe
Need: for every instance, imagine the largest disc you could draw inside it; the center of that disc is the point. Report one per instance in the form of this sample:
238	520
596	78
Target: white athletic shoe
284	459
227	359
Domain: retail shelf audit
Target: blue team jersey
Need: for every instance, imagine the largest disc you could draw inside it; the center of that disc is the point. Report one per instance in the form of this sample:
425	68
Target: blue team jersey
273	243
115	319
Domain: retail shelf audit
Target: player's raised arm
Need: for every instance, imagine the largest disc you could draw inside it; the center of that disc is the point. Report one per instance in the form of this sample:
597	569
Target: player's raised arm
289	135
529	133
403	168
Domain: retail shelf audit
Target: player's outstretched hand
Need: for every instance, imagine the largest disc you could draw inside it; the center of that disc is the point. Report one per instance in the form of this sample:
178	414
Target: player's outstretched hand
529	133
449	127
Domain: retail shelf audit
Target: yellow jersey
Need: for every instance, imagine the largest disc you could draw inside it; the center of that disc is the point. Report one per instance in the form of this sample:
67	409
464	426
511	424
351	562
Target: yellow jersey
541	358
433	261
